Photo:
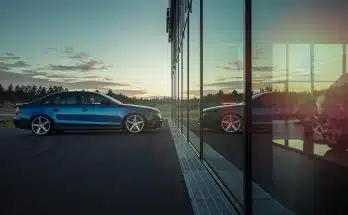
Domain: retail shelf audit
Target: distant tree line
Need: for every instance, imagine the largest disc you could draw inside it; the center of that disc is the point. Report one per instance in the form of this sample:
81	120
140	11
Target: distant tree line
302	97
25	93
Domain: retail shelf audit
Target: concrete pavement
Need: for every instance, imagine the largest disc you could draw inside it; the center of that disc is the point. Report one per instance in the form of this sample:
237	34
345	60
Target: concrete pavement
115	172
91	173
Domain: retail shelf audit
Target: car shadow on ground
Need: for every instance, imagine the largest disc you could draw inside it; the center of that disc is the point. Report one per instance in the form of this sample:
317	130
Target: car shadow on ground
105	132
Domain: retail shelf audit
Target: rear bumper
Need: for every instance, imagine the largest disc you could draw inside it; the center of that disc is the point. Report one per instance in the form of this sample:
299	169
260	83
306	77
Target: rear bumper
20	123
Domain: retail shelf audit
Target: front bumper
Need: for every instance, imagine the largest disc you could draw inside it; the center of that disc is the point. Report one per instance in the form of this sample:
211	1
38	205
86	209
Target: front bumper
155	124
20	123
159	124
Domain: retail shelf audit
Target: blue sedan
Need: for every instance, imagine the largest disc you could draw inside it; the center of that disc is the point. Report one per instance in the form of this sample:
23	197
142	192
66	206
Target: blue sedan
84	110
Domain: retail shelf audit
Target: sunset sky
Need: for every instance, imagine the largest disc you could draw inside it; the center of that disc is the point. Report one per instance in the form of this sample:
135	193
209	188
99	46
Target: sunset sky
122	45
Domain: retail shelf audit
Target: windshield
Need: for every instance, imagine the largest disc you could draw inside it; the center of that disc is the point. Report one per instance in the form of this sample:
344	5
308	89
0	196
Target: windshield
112	99
255	96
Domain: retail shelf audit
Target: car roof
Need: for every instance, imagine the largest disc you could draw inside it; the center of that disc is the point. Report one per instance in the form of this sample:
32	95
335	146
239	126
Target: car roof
75	91
68	92
256	95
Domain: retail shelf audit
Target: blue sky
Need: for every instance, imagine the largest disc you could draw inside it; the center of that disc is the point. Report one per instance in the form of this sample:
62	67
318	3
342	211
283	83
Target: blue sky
122	45
124	40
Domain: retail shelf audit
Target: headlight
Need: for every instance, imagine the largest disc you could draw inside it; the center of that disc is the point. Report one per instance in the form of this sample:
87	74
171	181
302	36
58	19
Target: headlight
204	114
158	115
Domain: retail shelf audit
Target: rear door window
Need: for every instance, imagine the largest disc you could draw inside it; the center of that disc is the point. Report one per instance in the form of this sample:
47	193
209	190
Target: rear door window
262	101
60	99
92	99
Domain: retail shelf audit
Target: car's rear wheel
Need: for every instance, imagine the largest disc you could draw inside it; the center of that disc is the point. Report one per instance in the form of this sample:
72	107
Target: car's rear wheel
134	123
41	125
231	123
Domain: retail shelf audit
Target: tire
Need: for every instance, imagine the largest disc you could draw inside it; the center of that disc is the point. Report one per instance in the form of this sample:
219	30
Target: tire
134	123
340	145
231	123
41	125
317	126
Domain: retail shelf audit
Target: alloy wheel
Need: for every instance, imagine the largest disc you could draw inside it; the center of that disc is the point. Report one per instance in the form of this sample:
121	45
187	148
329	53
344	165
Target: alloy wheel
41	125
231	123
135	123
331	134
318	127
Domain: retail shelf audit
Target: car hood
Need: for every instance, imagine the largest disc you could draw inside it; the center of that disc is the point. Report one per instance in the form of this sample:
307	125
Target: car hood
239	105
141	107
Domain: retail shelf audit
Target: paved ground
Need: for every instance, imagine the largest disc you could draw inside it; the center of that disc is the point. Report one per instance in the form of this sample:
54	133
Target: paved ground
306	184
91	173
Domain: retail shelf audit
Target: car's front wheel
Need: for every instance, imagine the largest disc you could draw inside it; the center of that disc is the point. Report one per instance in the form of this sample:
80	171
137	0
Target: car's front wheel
231	123
134	123
41	125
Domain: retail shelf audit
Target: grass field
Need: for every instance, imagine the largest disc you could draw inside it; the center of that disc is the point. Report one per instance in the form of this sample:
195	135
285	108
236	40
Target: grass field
7	107
167	108
6	122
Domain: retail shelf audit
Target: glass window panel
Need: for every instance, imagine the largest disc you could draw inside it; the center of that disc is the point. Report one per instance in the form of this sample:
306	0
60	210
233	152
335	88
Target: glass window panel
346	57
299	87
184	95
293	143
223	86
194	75
278	87
321	86
327	62
279	64
299	62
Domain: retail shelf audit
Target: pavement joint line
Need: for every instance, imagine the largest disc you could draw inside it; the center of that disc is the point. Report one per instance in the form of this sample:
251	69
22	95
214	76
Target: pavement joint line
215	179
196	176
196	194
261	209
193	193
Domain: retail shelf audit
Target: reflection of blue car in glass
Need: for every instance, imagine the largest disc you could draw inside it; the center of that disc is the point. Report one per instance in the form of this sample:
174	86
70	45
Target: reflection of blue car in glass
266	107
84	110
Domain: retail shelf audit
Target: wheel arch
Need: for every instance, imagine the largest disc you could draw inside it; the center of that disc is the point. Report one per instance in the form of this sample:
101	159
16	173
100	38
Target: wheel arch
230	113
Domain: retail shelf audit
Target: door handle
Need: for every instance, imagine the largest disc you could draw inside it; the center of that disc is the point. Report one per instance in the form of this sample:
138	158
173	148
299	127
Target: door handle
55	110
84	109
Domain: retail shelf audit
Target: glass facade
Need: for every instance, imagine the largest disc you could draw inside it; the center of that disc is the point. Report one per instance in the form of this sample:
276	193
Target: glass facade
298	51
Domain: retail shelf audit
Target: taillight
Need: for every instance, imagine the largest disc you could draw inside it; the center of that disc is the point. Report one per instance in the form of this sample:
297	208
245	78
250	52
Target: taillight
17	110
